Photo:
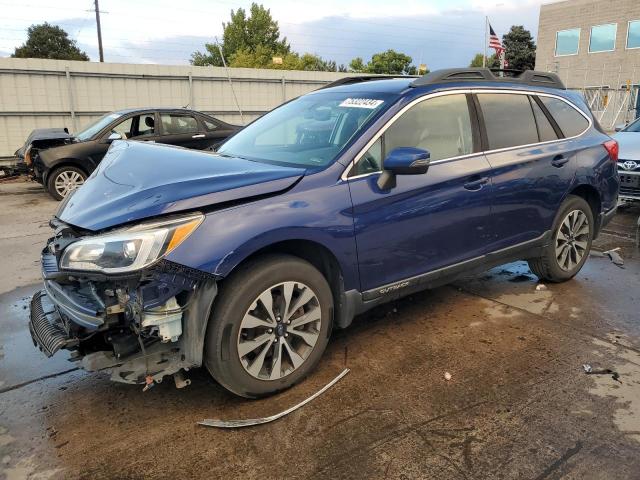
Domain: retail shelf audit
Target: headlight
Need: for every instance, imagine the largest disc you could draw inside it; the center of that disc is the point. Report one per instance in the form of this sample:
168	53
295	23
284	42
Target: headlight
129	249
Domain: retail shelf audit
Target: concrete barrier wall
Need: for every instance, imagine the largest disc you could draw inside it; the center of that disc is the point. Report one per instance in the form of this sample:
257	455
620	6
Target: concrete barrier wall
38	93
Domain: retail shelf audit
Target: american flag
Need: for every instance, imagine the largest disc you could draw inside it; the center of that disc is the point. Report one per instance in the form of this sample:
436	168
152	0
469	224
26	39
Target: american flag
496	44
494	41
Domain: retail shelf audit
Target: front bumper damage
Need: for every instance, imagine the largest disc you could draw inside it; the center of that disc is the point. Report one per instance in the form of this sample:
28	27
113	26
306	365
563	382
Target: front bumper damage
140	327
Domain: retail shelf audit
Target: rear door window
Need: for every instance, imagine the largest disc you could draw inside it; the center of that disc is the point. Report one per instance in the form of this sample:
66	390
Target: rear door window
176	124
508	119
568	119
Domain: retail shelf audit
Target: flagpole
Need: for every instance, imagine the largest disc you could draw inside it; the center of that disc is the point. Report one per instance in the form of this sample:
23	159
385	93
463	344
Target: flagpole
486	41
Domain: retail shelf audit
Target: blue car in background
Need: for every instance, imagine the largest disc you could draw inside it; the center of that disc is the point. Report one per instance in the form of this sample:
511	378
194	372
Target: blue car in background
244	260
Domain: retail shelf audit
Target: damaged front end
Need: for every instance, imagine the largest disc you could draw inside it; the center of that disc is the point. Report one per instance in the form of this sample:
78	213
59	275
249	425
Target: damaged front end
126	309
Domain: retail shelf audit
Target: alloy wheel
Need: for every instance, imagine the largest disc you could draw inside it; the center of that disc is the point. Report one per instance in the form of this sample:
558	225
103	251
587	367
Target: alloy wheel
279	330
572	240
67	181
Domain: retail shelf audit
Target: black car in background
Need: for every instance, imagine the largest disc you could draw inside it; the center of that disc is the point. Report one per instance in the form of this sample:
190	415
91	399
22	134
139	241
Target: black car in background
62	162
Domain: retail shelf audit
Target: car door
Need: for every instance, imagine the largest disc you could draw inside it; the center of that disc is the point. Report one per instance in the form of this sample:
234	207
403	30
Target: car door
181	129
144	128
532	166
122	126
428	221
215	131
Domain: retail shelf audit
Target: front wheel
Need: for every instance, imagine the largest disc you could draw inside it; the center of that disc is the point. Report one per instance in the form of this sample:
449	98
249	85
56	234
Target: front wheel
62	181
570	243
269	326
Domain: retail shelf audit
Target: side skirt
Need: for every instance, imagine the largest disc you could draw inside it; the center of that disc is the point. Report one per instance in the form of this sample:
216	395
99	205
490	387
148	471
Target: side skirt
359	302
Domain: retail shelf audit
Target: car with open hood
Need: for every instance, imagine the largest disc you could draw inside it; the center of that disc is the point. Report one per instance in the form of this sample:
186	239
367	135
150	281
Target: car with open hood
62	162
244	260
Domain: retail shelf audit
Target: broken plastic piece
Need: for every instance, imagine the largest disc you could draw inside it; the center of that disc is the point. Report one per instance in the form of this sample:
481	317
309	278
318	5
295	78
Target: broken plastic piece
607	371
258	421
540	287
614	256
447	376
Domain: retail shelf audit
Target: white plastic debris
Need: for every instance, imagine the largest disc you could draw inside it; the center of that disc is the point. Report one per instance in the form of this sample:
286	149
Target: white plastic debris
615	257
447	376
258	421
587	368
541	287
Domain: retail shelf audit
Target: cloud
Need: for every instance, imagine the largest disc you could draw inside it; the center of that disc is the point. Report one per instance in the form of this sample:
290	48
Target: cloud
440	33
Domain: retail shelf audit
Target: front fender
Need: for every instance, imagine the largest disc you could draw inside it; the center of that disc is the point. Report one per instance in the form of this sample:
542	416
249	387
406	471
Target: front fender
320	214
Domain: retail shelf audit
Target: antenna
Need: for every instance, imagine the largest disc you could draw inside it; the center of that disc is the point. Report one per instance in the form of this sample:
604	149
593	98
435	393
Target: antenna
230	82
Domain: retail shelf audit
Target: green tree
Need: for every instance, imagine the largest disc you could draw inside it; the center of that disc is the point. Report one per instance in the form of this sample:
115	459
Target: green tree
357	65
492	62
49	41
389	62
520	49
257	34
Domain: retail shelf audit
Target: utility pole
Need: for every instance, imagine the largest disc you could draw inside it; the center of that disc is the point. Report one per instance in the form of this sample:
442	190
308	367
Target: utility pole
99	30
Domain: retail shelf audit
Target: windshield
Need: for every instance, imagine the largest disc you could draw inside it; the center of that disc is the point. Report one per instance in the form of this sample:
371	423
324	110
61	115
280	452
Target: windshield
96	126
633	127
307	132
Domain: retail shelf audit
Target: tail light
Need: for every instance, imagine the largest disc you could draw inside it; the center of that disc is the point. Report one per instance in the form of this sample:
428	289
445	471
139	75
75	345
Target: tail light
613	149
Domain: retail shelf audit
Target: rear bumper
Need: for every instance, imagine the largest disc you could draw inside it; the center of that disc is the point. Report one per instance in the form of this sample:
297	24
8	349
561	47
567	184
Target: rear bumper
47	327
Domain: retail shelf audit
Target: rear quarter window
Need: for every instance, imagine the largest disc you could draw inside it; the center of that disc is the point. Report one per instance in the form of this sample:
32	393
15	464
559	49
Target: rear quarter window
570	121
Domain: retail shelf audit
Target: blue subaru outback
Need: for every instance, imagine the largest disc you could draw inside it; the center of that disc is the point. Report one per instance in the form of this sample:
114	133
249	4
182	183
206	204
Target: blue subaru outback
340	200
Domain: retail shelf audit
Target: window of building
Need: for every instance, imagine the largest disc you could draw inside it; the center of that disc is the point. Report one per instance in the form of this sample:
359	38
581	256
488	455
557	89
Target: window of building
508	119
567	42
568	119
603	38
633	34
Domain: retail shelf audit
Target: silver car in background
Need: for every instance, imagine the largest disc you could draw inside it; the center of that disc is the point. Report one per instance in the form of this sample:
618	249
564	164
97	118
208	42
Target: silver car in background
629	161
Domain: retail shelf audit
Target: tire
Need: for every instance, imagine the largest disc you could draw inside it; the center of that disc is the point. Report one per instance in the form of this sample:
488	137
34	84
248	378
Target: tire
236	343
554	265
63	180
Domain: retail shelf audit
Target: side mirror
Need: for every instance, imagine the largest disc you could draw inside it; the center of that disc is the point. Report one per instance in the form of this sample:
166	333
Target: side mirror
114	136
620	127
403	161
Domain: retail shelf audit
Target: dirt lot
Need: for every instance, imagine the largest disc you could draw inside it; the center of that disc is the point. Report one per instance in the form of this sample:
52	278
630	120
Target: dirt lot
519	404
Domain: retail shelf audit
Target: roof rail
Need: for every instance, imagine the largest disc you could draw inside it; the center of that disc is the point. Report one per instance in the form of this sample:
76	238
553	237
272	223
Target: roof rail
528	77
363	78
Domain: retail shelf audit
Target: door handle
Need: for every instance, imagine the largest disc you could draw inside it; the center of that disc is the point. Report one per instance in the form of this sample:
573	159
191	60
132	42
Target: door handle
198	135
475	185
559	161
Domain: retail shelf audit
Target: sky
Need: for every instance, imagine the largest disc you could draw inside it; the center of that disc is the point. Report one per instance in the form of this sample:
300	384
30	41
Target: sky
438	33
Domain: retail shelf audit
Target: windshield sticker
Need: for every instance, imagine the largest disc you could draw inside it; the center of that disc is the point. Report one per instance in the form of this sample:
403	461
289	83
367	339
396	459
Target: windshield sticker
361	103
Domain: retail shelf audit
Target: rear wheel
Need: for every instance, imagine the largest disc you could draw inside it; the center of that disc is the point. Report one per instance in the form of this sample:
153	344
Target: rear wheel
269	327
62	181
570	244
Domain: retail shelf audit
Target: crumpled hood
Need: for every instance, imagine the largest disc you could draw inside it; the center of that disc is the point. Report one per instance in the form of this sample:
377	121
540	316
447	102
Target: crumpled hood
629	143
43	134
137	180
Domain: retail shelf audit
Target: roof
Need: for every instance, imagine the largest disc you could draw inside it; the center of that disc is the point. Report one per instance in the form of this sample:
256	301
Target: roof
449	78
124	111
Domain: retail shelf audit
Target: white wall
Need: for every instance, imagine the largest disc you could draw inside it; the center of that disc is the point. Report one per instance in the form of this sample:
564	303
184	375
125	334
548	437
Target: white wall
38	93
